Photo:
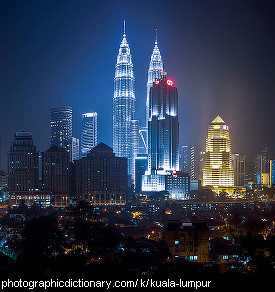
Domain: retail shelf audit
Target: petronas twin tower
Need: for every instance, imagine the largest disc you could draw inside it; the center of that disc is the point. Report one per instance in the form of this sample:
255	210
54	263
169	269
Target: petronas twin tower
125	127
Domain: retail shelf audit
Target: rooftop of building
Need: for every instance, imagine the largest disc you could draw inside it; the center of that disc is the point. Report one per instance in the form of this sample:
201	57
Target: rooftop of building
101	147
218	120
23	135
55	148
176	225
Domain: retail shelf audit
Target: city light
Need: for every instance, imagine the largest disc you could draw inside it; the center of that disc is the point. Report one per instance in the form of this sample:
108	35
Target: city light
169	82
147	205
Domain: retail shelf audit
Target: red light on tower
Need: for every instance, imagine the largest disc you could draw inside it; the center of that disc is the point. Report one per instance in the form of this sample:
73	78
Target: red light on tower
169	82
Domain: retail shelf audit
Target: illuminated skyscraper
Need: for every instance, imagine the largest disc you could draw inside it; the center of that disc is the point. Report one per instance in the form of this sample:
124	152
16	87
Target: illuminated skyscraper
89	132
194	172
154	72
218	169
124	142
189	162
163	127
163	142
134	148
272	174
74	149
61	126
184	158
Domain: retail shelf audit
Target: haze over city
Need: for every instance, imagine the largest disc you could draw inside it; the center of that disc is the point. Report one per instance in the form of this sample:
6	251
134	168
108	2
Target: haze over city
219	54
137	144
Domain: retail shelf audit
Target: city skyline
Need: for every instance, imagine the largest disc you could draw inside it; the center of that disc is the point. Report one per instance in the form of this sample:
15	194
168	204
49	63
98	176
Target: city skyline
205	90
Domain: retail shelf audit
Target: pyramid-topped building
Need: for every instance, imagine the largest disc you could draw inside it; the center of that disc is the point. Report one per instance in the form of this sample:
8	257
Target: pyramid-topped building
218	120
218	169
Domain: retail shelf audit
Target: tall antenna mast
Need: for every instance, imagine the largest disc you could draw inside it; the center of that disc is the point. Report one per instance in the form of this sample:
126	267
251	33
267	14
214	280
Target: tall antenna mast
124	27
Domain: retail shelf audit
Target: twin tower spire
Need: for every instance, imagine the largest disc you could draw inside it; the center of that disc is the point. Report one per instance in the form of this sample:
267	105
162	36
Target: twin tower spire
125	128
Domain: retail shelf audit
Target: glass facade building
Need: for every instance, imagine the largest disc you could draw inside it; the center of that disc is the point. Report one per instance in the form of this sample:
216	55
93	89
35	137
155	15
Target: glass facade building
154	72
89	132
141	167
61	119
272	173
124	142
238	164
74	149
163	142
163	127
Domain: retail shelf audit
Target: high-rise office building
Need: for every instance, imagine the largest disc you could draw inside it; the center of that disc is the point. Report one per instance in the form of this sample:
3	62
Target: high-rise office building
3	180
249	172
0	153
263	179
3	185
23	169
189	162
74	149
194	163
124	106
184	159
163	127
261	163
55	175
89	132
141	167
101	177
218	169
201	164
163	140
134	148
154	72
61	119
238	165
272	174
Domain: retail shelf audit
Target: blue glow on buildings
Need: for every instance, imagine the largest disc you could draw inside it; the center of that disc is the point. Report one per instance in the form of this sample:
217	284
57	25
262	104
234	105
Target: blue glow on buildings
125	142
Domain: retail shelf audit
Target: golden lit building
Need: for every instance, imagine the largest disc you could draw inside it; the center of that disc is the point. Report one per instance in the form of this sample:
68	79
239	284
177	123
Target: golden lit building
217	170
263	179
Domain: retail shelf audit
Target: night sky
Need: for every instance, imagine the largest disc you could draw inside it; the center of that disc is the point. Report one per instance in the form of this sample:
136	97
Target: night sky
220	55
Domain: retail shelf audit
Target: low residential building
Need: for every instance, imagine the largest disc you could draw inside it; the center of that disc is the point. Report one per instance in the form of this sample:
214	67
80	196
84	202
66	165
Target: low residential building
188	240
